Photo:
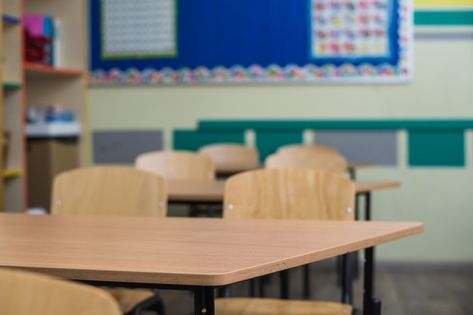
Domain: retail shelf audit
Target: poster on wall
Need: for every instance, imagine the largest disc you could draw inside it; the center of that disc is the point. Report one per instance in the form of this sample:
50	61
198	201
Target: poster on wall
246	41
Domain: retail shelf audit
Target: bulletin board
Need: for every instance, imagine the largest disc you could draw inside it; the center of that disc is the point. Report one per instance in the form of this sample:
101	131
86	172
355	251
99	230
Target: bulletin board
247	41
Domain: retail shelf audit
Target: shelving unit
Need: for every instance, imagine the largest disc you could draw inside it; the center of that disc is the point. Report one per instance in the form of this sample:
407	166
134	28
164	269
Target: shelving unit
8	19
13	166
63	84
4	86
12	173
26	84
11	85
38	70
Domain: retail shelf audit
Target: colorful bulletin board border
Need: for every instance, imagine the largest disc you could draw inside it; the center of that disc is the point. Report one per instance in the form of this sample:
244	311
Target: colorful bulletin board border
356	70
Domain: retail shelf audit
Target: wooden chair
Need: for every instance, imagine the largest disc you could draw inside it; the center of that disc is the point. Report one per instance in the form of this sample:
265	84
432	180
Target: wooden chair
231	158
331	162
305	148
287	194
177	165
109	191
25	293
245	306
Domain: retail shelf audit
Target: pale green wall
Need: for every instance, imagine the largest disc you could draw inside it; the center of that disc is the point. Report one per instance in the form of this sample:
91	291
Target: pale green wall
443	87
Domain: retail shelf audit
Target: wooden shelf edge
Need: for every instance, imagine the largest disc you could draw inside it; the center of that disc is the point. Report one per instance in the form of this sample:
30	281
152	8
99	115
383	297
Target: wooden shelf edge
10	19
11	173
11	85
37	68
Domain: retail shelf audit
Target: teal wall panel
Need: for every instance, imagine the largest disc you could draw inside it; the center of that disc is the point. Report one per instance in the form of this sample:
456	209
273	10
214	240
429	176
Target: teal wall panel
437	148
268	141
432	142
192	140
444	18
335	124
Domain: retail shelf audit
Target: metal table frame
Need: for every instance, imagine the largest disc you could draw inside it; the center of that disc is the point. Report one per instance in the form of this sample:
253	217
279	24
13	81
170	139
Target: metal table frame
204	296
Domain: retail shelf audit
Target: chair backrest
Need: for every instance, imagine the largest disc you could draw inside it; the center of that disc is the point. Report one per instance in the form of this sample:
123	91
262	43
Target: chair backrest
305	148
25	293
289	194
177	165
329	162
231	157
109	190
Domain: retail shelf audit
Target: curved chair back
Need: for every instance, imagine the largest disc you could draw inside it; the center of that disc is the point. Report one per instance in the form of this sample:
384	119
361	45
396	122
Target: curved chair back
177	165
25	293
305	149
328	162
109	190
231	157
289	194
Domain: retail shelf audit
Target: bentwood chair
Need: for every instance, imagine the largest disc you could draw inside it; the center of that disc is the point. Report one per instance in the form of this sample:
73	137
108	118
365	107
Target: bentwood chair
301	194
308	157
113	191
177	165
25	293
305	148
331	162
231	158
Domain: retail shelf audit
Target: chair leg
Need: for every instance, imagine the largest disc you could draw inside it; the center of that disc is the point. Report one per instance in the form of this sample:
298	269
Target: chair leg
154	303
252	288
224	292
262	283
159	307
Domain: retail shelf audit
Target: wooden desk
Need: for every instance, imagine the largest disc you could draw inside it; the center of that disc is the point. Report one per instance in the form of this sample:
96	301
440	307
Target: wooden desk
230	170
354	166
186	254
213	191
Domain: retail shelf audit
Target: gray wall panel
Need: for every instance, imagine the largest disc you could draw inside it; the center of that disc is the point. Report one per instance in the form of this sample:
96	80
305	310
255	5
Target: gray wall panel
122	147
379	147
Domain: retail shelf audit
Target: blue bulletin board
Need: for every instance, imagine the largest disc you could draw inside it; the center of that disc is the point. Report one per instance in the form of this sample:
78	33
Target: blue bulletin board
245	41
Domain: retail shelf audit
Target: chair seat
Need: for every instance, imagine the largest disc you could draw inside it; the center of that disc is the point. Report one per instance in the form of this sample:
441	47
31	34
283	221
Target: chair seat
254	306
128	298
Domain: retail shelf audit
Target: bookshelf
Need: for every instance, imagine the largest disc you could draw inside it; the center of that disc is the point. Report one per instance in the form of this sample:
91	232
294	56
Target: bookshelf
5	86
13	157
26	84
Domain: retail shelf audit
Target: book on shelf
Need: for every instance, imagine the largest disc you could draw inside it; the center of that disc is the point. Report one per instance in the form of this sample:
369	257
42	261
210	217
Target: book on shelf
42	39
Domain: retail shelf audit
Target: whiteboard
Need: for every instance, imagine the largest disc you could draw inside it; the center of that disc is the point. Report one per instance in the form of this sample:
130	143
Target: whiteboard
138	28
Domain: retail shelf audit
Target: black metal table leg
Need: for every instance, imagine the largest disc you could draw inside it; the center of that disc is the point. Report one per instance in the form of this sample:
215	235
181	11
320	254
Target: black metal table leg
347	281
371	305
368	206
284	284
204	301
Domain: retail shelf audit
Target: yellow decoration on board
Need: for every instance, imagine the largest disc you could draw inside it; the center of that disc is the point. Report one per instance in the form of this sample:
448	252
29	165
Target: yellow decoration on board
446	3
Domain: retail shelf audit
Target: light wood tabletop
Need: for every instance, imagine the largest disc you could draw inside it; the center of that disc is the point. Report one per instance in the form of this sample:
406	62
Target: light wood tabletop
180	251
213	191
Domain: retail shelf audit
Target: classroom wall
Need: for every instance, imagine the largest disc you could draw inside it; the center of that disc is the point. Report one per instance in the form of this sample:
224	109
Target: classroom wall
442	88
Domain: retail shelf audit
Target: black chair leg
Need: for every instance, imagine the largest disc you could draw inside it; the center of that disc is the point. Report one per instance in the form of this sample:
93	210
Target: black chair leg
154	303
159	307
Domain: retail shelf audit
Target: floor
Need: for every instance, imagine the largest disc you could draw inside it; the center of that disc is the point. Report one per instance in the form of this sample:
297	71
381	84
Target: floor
404	289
